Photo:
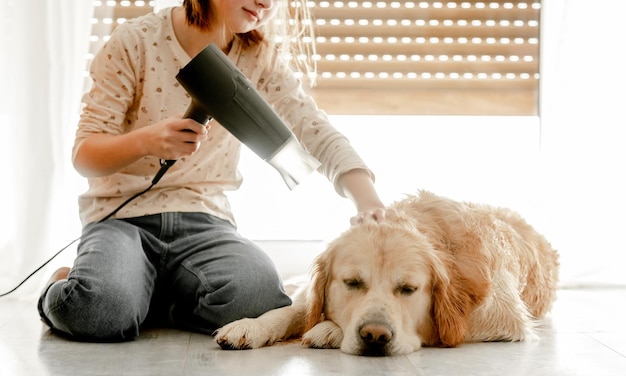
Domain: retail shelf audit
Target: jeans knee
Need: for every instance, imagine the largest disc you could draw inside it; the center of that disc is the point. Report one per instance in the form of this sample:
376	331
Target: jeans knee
262	295
102	315
117	318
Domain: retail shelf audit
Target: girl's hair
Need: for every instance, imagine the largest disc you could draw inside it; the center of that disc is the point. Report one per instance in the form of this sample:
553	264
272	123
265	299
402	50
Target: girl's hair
290	33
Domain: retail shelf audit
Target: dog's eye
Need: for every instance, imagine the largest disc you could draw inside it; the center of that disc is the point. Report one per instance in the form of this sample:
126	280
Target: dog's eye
353	283
407	290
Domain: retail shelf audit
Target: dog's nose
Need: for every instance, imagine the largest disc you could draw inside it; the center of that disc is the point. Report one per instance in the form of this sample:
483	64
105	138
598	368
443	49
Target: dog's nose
375	333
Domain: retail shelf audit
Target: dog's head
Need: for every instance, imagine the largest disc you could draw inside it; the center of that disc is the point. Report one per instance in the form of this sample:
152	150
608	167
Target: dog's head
390	290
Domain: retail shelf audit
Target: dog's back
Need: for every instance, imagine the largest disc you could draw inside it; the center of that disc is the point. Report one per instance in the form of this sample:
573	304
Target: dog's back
518	263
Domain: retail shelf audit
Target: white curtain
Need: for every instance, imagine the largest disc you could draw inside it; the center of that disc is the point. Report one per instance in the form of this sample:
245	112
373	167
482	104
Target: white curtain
583	139
43	49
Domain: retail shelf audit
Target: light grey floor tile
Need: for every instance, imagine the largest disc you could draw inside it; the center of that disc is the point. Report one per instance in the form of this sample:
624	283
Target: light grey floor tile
583	336
290	359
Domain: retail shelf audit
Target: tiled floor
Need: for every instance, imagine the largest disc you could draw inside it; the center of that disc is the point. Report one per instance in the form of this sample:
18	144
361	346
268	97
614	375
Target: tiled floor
585	335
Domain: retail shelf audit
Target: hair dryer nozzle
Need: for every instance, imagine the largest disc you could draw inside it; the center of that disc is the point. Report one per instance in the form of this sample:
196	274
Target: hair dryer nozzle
219	90
293	162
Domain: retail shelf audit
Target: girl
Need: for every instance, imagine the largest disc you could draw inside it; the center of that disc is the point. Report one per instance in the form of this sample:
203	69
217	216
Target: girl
173	254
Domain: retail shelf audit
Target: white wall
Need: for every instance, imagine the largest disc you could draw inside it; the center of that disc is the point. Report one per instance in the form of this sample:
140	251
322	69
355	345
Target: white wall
583	135
469	158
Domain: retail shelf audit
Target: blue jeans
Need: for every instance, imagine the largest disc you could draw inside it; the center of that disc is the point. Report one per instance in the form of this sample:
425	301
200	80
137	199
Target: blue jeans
189	270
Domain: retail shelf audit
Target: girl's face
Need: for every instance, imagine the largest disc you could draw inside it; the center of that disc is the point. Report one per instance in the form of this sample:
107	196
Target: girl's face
242	16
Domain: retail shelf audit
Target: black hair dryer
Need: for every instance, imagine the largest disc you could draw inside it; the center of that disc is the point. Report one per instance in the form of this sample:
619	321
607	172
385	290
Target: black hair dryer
219	90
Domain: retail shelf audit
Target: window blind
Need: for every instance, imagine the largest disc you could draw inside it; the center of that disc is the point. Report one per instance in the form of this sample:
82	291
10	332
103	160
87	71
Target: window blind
427	57
409	57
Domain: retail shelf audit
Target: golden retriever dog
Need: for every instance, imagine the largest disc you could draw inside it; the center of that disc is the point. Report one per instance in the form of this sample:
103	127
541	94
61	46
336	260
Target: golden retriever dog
435	272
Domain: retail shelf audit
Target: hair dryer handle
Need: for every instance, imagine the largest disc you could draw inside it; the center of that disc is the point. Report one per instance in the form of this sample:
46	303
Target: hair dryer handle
193	112
196	113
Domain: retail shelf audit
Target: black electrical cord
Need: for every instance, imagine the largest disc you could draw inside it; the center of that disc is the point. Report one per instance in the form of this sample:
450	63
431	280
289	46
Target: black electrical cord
165	165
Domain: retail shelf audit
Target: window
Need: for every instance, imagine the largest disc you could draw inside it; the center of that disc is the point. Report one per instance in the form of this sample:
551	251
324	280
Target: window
410	57
428	57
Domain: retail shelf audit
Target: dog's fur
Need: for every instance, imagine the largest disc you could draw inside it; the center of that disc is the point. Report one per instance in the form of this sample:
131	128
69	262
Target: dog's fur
436	272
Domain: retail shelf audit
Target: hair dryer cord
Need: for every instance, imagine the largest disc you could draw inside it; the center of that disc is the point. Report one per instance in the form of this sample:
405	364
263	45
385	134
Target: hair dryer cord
165	165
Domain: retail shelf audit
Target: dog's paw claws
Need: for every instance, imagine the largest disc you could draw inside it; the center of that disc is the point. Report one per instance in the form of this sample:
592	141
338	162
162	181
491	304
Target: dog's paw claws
244	334
227	345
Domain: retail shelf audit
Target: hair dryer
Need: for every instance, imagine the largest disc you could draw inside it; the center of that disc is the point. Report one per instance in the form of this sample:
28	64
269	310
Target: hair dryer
219	90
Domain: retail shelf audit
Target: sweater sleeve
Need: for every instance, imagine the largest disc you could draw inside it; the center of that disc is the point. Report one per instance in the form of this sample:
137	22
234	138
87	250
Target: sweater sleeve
112	93
284	91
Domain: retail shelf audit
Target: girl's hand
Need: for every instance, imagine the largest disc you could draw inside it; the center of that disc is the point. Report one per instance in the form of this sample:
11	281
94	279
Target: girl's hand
173	138
376	215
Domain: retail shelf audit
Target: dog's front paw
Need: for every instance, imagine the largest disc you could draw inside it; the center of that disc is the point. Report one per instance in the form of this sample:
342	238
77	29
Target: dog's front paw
325	335
242	335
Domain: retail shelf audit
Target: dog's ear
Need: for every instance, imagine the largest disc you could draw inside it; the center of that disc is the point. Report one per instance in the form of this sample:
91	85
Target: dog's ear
316	295
452	304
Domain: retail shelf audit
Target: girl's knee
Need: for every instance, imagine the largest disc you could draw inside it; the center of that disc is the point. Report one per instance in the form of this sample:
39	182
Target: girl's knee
210	295
100	315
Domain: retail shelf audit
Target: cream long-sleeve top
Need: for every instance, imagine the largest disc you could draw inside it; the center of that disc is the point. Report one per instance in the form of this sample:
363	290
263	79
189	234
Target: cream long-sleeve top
134	85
